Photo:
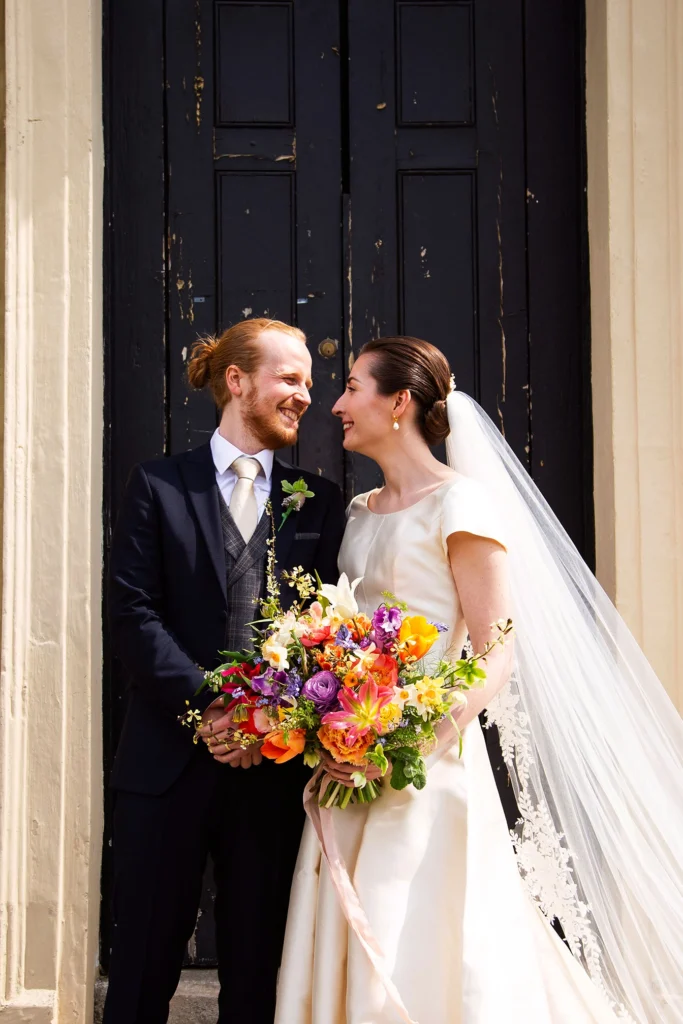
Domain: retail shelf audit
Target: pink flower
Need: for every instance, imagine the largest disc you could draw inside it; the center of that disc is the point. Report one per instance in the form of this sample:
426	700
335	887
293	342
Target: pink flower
361	710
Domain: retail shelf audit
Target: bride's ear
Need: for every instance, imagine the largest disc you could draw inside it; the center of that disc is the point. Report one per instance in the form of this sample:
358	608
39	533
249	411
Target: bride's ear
402	400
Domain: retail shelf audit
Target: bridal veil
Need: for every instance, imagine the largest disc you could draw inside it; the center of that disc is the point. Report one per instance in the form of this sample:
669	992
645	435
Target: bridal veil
593	745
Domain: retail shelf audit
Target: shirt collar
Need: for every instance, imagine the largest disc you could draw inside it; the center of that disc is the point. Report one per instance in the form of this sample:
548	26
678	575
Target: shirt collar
224	454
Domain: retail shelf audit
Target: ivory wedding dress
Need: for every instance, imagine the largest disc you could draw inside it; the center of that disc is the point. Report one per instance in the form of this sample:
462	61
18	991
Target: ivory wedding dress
435	871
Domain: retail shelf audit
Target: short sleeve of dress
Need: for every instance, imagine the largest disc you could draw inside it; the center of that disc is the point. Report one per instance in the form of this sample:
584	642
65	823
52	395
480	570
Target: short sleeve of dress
468	508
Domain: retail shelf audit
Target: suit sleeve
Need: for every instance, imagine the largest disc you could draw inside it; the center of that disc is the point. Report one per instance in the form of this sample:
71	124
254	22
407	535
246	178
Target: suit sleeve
331	534
144	644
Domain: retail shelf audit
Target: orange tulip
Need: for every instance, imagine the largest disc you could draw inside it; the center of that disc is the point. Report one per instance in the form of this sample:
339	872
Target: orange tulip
417	636
278	749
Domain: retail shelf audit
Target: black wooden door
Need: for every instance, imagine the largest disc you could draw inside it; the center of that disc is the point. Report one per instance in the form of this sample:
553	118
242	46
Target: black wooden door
359	167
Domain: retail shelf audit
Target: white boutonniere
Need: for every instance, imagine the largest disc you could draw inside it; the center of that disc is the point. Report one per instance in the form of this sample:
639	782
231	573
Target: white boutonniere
295	497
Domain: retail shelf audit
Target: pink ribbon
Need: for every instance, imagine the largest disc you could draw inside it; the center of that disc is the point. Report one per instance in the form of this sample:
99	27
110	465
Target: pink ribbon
322	820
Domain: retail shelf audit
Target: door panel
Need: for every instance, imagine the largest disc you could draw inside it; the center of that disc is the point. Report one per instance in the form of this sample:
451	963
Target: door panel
437	194
254	191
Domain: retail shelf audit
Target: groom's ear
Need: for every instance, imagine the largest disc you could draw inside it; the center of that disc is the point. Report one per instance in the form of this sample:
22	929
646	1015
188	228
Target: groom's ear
234	379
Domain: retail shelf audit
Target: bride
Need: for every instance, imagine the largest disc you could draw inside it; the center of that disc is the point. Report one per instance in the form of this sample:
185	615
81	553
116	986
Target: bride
421	907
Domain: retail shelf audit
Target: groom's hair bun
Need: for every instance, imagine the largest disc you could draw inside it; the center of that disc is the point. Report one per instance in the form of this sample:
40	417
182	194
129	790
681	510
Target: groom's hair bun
237	346
410	364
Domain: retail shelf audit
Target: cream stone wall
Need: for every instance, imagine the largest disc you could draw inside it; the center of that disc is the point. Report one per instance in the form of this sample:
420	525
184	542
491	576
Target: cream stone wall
635	201
50	675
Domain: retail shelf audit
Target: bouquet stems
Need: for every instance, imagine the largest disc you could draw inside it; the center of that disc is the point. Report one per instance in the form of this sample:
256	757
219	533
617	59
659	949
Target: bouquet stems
337	794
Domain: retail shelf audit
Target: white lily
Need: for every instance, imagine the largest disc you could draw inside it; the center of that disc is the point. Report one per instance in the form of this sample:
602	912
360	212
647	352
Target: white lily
341	596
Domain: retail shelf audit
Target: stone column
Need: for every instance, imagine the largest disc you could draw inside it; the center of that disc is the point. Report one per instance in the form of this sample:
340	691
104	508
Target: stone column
50	678
635	202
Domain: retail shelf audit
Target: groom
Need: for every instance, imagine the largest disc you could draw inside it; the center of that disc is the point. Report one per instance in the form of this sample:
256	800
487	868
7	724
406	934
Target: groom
188	566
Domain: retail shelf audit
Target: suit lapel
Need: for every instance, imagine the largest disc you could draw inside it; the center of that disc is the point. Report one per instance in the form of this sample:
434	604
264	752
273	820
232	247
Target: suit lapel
284	538
200	479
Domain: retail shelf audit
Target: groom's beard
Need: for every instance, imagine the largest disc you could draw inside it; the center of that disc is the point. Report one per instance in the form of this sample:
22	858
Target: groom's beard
268	425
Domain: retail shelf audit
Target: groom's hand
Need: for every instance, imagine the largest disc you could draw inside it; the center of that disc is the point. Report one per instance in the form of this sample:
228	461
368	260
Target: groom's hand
216	732
237	757
215	720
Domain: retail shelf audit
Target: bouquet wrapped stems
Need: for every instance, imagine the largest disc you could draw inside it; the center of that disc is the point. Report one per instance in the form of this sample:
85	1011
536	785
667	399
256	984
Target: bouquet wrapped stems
332	793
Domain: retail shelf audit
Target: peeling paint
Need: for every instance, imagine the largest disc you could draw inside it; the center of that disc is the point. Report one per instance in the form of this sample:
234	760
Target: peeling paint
247	311
282	158
378	244
199	78
499	236
381	106
190	302
184	353
291	158
198	91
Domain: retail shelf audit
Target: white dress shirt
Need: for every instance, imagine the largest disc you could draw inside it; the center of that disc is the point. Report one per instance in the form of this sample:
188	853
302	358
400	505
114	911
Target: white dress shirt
224	454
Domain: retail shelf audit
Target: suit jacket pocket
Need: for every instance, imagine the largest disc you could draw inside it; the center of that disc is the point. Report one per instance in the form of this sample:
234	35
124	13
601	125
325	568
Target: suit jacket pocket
306	536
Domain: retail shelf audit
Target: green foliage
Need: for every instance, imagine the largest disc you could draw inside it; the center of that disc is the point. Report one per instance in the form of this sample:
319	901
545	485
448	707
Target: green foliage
408	768
303	716
393	601
378	758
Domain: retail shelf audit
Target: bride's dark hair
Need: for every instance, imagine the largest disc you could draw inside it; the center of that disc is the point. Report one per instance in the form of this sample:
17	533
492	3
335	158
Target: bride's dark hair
410	364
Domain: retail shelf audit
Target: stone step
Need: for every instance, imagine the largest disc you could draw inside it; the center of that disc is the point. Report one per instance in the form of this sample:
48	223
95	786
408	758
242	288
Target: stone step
193	1003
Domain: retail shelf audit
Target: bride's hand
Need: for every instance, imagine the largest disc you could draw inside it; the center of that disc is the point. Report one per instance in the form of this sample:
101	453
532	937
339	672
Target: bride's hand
343	772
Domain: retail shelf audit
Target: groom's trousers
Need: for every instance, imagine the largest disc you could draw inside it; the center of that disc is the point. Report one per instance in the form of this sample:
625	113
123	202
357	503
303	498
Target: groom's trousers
249	822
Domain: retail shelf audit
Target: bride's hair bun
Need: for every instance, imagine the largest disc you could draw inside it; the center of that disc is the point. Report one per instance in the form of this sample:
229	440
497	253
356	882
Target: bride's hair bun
436	422
410	364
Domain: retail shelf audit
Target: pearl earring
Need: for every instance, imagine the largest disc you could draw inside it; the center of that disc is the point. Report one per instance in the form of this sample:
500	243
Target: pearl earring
396	424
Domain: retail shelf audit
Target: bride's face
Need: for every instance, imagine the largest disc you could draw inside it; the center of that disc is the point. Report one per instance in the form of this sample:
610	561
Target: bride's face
367	417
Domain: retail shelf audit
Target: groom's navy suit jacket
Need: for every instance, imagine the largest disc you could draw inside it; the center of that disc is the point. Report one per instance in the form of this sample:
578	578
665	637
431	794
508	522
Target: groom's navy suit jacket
168	599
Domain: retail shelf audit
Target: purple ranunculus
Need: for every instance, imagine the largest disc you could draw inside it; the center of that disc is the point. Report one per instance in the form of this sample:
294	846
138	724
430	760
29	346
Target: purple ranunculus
386	624
322	690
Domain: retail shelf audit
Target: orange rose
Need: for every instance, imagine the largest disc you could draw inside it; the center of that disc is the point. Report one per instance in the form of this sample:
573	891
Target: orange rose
417	636
276	748
333	740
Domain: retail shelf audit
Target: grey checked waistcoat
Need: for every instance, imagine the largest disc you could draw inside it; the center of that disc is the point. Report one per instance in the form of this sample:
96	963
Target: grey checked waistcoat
245	574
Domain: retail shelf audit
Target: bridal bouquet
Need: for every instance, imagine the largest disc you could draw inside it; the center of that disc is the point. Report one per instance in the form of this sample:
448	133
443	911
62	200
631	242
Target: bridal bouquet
323	677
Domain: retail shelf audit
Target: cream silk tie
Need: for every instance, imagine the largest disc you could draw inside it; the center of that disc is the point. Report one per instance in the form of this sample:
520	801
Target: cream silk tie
243	507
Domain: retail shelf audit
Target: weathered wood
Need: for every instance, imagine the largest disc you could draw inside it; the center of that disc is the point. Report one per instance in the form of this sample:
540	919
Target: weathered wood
134	298
561	441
